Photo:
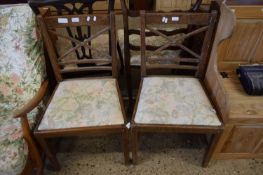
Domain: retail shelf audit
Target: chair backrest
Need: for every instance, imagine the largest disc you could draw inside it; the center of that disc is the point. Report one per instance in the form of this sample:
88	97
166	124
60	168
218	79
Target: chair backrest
22	68
62	61
129	45
194	61
70	7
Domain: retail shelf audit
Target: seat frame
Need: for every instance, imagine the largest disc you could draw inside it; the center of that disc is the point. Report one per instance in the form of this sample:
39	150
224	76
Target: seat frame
48	23
206	19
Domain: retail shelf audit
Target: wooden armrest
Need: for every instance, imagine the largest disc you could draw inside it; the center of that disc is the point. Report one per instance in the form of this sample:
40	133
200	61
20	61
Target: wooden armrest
33	102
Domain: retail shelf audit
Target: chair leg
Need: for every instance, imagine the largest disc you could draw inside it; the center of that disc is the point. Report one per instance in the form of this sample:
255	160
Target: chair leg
40	171
129	88
120	56
125	145
52	158
35	156
38	162
211	148
134	146
34	153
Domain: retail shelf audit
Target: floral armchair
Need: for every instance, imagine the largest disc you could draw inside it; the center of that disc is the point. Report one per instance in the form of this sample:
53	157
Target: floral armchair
22	88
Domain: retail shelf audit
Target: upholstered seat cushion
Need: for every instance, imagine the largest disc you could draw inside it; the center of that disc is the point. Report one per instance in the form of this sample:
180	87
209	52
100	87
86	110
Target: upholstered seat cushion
176	101
83	103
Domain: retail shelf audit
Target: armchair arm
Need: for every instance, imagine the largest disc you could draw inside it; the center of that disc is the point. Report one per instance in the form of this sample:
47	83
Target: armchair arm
27	134
33	102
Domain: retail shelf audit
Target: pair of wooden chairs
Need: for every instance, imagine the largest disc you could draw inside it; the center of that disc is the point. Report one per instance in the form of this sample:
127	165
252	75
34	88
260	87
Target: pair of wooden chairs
94	105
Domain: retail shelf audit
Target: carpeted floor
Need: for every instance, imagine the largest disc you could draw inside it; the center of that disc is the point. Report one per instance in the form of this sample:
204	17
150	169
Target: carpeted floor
159	155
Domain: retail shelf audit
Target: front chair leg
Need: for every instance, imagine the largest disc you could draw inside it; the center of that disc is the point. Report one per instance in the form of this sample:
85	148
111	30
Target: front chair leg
211	148
125	145
52	158
134	141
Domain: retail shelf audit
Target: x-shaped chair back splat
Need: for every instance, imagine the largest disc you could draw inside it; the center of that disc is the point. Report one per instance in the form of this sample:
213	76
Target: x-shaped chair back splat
207	24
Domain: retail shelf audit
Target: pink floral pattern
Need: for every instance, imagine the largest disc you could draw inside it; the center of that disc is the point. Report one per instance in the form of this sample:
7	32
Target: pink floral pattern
22	71
83	103
174	100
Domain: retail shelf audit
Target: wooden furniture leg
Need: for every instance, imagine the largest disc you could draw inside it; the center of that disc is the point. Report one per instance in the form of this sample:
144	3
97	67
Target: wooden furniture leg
125	144
211	148
120	56
135	146
52	158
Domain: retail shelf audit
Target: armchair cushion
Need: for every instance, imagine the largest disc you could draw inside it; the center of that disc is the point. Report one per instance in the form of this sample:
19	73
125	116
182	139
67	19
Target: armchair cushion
83	103
174	100
13	148
22	67
22	71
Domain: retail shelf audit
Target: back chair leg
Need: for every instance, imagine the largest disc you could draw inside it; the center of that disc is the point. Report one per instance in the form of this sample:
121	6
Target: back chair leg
125	145
129	90
52	158
40	171
120	56
135	146
211	148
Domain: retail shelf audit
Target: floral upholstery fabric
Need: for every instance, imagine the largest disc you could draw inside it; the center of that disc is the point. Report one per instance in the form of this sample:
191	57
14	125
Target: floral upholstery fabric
83	103
174	100
22	71
13	148
22	64
135	59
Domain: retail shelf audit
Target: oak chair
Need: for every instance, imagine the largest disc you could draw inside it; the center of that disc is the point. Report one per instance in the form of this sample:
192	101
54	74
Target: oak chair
129	39
81	106
170	103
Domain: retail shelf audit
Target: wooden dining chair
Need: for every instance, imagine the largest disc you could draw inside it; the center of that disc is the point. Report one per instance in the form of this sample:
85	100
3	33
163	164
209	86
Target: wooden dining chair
173	103
129	39
81	106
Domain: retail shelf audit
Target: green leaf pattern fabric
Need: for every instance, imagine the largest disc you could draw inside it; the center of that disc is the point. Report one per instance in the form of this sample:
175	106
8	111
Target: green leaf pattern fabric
22	71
